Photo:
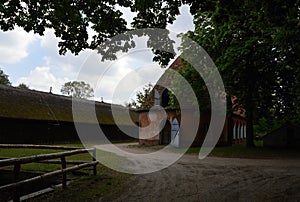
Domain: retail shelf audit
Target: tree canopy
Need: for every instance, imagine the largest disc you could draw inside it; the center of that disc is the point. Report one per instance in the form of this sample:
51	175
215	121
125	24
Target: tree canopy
77	89
4	78
254	45
71	21
23	85
143	98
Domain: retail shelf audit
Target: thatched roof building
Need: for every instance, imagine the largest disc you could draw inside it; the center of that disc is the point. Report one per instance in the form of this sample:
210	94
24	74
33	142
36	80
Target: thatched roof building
21	103
24	111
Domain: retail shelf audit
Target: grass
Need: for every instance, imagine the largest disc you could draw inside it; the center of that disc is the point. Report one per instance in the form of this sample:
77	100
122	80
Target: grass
11	153
18	152
235	151
86	188
102	187
241	151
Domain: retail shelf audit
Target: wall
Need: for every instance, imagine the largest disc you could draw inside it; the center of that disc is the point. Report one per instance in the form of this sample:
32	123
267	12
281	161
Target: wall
286	136
237	129
226	139
50	132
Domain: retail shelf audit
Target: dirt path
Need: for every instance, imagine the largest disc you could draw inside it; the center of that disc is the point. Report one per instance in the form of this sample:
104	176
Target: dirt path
218	179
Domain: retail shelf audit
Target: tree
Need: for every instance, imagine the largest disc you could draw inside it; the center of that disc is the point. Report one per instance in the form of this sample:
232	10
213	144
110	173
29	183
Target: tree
77	89
197	84
254	45
71	19
143	98
4	78
23	85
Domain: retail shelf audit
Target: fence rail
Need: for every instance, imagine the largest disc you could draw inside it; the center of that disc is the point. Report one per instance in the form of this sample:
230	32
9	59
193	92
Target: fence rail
45	158
35	146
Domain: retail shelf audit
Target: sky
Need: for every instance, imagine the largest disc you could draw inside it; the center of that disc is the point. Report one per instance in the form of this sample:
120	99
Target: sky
34	60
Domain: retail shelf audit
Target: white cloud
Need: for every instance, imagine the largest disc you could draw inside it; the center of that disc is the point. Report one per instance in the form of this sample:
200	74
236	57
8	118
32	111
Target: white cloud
14	45
183	22
65	65
49	41
127	15
57	69
70	65
120	80
42	79
105	77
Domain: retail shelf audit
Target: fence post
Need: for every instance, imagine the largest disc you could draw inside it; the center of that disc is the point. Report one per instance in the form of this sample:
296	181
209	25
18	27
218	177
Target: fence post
64	174
94	159
17	194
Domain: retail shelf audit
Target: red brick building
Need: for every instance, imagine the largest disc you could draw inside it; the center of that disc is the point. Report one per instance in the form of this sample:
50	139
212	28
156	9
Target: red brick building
234	130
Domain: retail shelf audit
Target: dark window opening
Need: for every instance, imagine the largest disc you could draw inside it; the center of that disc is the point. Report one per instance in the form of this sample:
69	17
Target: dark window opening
165	98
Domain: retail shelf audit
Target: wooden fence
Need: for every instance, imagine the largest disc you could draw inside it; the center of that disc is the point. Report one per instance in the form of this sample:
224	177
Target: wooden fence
45	158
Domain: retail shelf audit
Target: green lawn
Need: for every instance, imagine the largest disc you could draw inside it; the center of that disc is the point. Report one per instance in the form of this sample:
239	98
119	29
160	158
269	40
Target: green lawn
86	188
102	187
23	152
241	151
235	151
20	152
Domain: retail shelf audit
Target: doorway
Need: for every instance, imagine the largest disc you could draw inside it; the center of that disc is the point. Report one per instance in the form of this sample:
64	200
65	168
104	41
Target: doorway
165	134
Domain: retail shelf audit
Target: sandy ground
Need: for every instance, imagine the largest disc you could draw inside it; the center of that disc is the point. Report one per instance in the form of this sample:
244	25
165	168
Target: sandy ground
218	179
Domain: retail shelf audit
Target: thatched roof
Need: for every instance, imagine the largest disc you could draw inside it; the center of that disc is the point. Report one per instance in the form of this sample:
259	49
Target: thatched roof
18	103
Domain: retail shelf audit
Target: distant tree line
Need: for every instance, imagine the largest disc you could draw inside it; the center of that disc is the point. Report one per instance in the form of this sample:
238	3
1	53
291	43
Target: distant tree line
5	81
78	89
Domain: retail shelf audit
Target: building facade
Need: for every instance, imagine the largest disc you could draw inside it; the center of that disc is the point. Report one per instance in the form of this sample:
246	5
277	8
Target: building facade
167	129
29	116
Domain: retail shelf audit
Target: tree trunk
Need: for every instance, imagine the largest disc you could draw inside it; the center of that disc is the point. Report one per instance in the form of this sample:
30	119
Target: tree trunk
230	123
249	110
249	125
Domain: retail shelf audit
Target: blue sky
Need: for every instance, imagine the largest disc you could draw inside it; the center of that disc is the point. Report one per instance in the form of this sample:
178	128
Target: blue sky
34	60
